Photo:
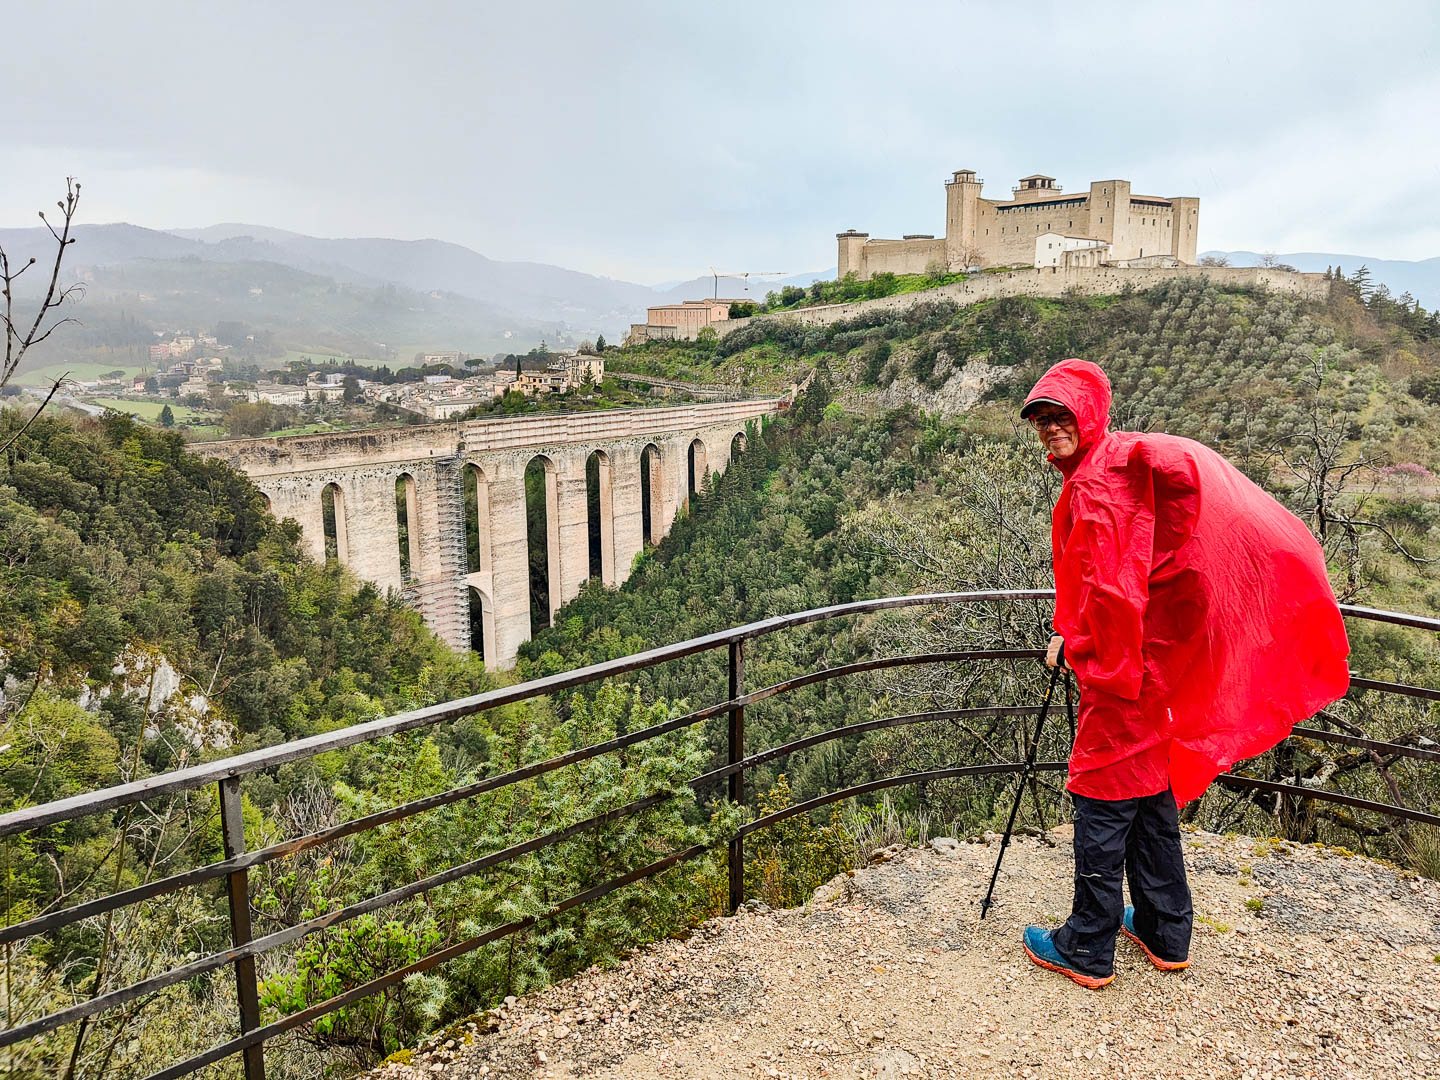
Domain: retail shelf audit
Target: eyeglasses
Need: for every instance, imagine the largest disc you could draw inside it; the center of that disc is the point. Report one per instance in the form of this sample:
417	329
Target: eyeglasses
1041	421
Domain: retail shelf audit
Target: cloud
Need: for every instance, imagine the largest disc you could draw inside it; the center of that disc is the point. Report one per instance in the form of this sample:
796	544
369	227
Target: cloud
649	140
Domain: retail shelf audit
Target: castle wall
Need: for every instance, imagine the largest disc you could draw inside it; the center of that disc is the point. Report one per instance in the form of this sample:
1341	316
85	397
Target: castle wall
1089	281
901	256
1141	229
1006	237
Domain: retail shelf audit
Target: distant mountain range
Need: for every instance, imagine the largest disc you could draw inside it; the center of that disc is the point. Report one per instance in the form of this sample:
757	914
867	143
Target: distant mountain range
475	303
1420	279
357	292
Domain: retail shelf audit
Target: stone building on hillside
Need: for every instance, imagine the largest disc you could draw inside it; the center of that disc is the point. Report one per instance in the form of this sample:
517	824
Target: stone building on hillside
1106	224
679	322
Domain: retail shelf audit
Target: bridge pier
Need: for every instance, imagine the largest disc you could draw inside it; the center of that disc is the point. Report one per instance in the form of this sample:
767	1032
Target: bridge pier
299	500
372	529
510	565
628	525
443	597
571	548
674	487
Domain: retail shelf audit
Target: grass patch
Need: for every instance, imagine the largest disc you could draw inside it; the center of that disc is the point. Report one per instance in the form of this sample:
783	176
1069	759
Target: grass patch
1255	904
303	429
44	376
851	289
1214	924
149	410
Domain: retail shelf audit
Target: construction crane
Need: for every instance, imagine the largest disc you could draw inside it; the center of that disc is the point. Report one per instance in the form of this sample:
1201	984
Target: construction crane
746	274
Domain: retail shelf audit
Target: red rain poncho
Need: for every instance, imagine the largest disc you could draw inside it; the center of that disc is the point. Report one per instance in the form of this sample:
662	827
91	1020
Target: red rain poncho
1195	608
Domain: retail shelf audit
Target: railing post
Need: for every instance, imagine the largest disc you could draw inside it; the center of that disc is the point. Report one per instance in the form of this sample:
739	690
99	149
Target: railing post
232	830
736	792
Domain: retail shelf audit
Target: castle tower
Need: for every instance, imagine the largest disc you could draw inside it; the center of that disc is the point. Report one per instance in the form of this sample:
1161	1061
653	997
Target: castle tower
1109	205
1185	228
850	258
962	196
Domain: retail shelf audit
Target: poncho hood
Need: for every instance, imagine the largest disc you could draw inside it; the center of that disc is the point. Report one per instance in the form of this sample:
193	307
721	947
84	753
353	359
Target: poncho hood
1082	388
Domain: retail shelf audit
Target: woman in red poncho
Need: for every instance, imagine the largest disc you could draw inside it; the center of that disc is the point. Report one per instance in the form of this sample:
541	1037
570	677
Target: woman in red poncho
1196	613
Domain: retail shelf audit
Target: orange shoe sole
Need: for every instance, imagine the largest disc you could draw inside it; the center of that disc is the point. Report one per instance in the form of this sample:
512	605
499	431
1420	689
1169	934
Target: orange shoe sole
1163	965
1090	982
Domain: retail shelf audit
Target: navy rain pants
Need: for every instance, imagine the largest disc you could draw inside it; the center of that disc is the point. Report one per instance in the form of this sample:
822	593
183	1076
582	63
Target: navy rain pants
1139	838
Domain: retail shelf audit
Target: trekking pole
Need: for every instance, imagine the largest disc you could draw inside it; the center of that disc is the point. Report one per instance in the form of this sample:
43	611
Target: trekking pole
1069	706
1030	752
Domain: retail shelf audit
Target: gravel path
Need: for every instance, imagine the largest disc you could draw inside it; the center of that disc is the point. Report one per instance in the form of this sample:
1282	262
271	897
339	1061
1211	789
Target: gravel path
1306	963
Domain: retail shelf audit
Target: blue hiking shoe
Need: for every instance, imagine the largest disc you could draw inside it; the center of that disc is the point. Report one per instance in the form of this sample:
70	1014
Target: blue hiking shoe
1127	927
1040	947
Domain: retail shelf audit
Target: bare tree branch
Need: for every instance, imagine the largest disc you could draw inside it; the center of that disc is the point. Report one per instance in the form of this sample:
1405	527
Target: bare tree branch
17	342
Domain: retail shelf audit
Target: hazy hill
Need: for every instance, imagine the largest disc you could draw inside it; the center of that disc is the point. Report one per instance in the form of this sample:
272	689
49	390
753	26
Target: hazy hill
125	301
1421	279
500	295
485	304
96	245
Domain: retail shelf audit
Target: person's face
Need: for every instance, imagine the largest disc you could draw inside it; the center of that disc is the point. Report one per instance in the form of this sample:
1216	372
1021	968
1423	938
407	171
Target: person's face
1057	429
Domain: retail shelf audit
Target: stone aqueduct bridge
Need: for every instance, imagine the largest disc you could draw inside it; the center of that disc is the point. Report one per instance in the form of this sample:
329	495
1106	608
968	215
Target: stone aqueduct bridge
437	465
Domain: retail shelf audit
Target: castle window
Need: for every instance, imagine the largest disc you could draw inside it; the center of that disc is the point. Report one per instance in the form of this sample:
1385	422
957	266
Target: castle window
1102	220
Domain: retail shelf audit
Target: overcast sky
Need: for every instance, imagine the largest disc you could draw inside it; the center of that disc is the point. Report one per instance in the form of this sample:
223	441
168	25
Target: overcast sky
649	141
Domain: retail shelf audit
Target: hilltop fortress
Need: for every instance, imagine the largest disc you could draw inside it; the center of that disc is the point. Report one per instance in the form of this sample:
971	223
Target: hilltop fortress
1038	226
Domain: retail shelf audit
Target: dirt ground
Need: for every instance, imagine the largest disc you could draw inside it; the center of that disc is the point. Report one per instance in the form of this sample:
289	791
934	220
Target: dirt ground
1307	962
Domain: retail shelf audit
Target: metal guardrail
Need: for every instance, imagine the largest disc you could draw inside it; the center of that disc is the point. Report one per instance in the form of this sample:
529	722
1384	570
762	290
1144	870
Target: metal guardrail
226	773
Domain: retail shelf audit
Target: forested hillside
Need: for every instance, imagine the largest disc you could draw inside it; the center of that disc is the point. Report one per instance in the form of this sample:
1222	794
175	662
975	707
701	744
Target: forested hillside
126	560
1334	408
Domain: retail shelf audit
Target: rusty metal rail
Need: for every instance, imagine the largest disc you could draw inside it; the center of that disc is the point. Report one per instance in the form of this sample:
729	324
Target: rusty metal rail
234	867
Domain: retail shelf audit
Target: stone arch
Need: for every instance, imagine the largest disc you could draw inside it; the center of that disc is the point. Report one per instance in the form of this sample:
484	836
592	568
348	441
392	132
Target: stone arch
738	442
600	518
696	461
542	538
269	502
332	517
652	493
477	520
407	524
